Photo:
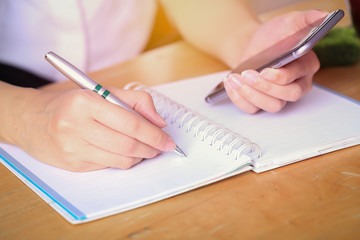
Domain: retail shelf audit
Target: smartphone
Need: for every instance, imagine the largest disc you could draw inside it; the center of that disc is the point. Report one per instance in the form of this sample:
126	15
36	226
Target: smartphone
283	52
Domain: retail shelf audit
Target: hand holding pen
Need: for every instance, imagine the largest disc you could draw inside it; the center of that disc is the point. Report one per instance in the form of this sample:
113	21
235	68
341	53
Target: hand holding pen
91	133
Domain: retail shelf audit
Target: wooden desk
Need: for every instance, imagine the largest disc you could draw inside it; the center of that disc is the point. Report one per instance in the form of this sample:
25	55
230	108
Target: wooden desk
314	199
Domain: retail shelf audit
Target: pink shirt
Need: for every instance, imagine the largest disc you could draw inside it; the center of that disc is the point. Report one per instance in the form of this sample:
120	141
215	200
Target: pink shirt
91	34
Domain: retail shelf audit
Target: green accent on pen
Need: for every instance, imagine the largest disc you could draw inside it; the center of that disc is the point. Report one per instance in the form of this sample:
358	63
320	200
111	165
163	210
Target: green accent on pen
97	88
105	94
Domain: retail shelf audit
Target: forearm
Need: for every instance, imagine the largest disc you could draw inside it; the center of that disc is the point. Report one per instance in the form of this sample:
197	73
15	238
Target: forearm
219	28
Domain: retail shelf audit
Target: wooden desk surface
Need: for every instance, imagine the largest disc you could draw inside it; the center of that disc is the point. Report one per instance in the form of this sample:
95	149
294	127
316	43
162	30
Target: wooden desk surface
314	199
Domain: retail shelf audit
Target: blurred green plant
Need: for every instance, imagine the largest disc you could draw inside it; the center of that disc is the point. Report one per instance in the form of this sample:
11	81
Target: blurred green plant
340	47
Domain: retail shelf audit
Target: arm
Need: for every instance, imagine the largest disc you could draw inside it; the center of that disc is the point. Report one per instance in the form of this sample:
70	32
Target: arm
220	28
78	130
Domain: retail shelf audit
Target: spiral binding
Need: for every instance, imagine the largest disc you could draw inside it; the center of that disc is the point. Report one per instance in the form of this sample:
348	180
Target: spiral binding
199	126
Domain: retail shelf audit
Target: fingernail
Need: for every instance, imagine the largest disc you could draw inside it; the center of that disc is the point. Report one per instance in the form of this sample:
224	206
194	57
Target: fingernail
268	74
249	77
233	81
170	145
164	123
324	13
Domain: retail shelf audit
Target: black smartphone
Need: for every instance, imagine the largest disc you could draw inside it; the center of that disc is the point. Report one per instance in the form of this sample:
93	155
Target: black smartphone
284	51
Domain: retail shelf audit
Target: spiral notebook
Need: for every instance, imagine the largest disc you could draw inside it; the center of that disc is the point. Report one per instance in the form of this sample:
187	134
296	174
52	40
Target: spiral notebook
220	141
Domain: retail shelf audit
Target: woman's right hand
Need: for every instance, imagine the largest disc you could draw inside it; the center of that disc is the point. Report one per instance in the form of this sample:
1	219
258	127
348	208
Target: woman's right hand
78	130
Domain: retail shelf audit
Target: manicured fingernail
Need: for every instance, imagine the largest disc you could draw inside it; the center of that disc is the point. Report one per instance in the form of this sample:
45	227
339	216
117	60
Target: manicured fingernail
233	81
164	123
250	77
324	13
268	74
170	145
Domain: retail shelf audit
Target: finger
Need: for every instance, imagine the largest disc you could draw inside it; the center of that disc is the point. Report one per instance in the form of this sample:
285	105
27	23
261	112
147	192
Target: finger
237	87
290	92
142	103
96	159
130	124
115	142
288	83
232	88
306	65
293	22
308	18
103	159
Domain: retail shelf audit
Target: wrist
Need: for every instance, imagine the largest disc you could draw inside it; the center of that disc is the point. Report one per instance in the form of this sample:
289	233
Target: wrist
233	49
16	104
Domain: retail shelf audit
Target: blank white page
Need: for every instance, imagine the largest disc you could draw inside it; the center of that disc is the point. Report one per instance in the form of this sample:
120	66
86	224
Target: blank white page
320	122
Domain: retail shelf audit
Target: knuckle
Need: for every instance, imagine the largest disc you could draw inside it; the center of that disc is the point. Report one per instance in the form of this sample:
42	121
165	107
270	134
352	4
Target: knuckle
153	154
67	152
249	95
76	166
128	163
60	130
128	147
67	149
295	93
244	105
64	117
283	77
145	96
266	86
315	63
250	109
131	124
159	139
235	96
59	124
78	99
276	106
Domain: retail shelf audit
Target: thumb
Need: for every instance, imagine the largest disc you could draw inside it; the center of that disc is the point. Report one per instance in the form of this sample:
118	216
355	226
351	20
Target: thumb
309	18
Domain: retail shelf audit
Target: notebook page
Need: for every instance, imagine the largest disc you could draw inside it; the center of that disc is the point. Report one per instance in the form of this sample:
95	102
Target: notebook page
319	122
82	197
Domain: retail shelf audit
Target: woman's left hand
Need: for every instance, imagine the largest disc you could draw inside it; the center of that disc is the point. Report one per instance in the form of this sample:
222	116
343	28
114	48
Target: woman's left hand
270	89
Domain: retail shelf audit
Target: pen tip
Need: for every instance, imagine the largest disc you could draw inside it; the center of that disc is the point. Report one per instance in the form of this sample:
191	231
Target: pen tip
180	152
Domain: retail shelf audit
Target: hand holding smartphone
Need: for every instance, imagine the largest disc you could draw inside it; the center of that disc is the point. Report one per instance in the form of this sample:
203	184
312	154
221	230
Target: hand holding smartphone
284	51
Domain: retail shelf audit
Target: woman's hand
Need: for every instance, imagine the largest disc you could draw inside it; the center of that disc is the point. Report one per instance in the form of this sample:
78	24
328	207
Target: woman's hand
270	89
80	131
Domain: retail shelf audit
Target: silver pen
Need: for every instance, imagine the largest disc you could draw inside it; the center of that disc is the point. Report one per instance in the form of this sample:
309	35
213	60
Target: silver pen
86	82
